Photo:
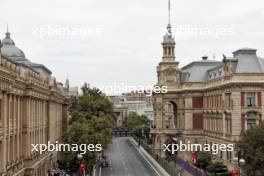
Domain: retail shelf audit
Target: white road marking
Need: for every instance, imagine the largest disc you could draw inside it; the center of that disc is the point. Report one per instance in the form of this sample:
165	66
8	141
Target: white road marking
100	172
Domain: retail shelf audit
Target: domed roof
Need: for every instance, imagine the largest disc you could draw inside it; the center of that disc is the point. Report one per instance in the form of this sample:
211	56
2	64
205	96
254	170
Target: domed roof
168	38
9	49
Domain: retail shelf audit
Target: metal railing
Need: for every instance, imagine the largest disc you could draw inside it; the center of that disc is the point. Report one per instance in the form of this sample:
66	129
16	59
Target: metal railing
170	169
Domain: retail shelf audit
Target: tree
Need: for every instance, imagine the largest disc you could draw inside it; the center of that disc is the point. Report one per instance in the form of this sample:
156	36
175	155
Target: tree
135	123
251	145
218	169
92	122
168	153
204	159
91	103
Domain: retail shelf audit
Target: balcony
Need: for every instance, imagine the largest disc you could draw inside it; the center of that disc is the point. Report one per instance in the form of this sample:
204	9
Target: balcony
166	131
177	131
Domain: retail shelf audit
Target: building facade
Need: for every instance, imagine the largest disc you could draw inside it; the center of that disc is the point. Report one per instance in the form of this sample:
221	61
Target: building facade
33	110
74	91
120	110
139	96
140	103
208	101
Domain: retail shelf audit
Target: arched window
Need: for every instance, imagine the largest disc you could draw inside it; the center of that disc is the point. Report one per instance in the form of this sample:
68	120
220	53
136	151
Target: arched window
172	114
251	121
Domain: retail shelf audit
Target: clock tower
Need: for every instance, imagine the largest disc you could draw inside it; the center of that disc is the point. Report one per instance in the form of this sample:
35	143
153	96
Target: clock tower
167	70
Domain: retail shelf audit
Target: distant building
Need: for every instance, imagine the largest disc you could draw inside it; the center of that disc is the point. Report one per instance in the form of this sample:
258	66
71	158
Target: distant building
132	102
74	91
121	114
141	103
120	110
140	107
33	110
137	96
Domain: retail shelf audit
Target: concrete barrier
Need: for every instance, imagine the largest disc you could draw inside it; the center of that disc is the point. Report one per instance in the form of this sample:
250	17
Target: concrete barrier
151	161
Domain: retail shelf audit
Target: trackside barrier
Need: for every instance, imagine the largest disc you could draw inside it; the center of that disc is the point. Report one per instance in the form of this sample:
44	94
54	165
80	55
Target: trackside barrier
171	170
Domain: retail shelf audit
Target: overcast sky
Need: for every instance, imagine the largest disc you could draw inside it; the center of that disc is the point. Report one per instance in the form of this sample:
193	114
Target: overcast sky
119	41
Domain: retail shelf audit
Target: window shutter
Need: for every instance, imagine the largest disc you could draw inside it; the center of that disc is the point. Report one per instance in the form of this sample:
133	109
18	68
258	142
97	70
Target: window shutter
198	121
197	102
242	123
242	99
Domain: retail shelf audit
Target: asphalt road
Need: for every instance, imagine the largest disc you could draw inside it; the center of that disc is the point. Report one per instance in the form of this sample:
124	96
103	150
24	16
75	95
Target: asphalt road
124	160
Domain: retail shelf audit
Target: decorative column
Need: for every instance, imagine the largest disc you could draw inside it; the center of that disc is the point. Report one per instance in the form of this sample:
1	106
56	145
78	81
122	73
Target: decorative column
257	119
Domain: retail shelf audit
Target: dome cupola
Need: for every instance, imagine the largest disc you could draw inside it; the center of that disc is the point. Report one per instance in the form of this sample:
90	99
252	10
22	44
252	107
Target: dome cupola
168	38
9	50
7	40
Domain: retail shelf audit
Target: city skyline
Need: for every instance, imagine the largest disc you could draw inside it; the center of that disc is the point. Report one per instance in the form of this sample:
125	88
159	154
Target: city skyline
123	36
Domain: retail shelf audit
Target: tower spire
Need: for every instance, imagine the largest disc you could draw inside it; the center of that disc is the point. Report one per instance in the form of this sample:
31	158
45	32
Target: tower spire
169	9
7	31
168	40
67	84
169	18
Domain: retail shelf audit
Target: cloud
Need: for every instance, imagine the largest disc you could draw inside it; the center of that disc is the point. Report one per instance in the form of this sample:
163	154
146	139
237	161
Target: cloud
128	47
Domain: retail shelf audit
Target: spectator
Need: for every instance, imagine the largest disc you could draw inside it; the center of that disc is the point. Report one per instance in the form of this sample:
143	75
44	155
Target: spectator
49	173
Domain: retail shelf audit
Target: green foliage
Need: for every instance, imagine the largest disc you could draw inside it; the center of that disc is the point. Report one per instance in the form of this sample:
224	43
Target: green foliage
204	159
134	123
168	154
252	150
217	169
91	103
95	130
92	122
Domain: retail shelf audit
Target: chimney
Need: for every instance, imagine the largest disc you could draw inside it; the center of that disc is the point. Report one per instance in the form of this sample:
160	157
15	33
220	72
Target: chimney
204	57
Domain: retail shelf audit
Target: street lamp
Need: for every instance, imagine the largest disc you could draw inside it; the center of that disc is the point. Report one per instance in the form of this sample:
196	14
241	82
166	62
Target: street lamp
175	141
80	157
240	161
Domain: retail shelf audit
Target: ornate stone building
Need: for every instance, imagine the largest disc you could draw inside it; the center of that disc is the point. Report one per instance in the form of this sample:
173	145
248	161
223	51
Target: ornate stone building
33	110
208	101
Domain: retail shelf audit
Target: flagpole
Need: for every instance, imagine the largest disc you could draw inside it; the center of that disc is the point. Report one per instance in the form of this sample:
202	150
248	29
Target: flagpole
169	8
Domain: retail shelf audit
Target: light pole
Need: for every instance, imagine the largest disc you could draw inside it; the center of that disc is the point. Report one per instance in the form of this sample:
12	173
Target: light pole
175	141
80	157
240	161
